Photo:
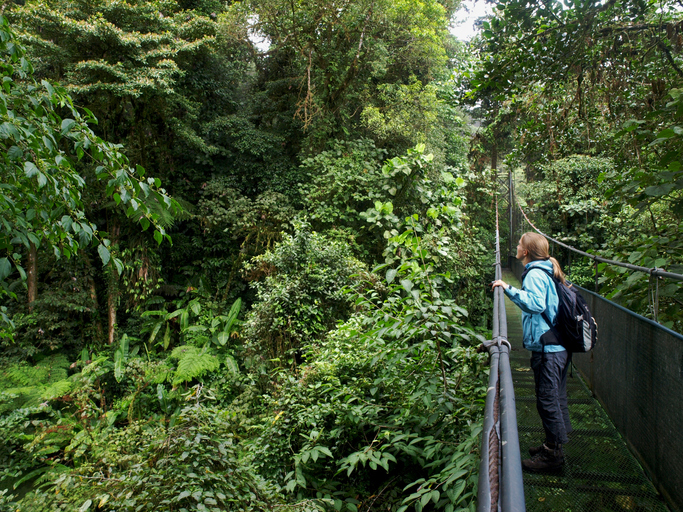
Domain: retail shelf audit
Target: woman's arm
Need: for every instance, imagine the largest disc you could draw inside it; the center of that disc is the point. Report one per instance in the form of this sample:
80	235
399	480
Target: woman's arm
533	298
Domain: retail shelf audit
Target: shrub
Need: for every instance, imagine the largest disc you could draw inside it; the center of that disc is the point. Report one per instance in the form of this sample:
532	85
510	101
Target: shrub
195	465
301	296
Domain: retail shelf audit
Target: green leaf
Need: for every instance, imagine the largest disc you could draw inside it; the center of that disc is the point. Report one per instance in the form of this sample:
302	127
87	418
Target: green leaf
118	264
325	451
158	237
30	169
223	338
669	290
118	365
33	238
391	274
231	365
666	134
14	153
407	284
104	254
66	125
460	486
196	307
67	222
659	190
5	268
167	337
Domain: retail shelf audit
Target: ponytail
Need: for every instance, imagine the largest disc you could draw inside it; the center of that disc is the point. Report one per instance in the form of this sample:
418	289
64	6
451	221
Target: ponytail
557	270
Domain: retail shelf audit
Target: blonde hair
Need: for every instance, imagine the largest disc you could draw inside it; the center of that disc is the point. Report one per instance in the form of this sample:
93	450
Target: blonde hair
538	249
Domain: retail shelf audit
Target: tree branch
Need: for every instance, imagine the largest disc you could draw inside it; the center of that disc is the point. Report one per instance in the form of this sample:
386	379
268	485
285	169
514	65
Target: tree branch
669	57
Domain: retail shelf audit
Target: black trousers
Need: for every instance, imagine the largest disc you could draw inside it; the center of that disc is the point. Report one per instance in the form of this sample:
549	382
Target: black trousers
550	377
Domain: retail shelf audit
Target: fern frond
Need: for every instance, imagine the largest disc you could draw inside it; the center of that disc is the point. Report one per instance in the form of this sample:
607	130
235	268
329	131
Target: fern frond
44	476
25	396
48	478
55	367
48	370
56	389
192	363
23	374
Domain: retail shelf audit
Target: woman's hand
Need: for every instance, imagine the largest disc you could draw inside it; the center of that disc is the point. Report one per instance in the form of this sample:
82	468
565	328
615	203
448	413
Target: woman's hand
499	282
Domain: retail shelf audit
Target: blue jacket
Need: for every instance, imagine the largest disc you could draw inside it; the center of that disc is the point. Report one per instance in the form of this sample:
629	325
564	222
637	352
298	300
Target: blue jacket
537	295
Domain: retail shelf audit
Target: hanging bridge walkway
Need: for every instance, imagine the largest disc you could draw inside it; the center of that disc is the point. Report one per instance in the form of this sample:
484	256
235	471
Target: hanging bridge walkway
600	473
625	405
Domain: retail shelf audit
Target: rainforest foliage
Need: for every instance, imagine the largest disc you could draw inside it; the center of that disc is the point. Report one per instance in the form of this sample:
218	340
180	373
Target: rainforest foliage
238	277
245	245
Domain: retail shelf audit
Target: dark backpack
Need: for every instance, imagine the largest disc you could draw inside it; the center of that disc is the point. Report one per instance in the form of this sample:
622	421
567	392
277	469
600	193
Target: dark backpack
576	329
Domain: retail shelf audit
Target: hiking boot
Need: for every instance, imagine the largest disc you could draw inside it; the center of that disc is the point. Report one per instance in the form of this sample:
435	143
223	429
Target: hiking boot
547	459
534	450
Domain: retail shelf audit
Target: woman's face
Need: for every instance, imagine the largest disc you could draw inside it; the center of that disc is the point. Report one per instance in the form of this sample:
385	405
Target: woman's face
521	251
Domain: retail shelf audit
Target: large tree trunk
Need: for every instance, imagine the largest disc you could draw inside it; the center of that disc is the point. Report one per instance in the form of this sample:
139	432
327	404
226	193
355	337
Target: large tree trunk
96	310
113	288
92	291
111	306
32	277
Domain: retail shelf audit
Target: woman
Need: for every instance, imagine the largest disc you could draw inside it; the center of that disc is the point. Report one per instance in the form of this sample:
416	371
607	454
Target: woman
549	359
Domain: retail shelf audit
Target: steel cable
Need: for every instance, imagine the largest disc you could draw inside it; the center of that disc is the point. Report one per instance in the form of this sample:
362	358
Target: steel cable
651	271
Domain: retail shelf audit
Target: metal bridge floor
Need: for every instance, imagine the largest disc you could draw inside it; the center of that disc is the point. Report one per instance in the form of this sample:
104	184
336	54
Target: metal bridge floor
600	473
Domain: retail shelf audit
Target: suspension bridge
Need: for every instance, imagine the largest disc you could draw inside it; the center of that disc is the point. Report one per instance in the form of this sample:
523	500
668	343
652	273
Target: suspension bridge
625	404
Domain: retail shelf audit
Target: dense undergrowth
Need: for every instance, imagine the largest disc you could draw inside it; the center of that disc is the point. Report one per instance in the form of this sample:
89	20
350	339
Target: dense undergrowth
344	387
308	341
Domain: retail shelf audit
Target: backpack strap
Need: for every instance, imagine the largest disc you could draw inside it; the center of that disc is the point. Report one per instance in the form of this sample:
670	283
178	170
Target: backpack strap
543	313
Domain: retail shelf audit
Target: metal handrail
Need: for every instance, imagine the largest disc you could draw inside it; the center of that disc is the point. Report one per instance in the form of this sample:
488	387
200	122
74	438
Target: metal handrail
501	486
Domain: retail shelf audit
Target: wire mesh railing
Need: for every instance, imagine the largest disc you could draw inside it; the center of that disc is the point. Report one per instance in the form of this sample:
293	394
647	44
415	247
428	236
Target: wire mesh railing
501	486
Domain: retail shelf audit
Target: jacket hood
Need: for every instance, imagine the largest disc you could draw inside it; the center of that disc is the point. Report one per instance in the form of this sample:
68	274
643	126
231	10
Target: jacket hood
540	263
